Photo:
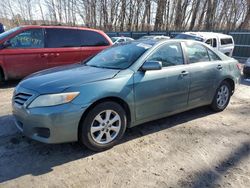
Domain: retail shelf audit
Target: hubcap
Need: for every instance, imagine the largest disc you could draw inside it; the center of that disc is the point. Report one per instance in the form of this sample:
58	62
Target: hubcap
105	127
222	96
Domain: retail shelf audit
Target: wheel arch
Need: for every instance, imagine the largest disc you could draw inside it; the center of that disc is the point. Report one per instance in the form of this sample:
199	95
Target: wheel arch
2	75
231	83
118	100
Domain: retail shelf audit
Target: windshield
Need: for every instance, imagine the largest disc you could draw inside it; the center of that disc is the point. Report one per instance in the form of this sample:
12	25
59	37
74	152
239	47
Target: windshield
7	33
186	36
120	56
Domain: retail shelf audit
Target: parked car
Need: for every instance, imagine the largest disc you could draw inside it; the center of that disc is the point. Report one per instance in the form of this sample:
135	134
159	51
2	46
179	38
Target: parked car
223	43
27	49
246	69
123	86
117	40
154	37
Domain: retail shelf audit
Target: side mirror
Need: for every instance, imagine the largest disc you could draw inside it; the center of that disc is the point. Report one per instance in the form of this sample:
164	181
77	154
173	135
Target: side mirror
6	44
151	65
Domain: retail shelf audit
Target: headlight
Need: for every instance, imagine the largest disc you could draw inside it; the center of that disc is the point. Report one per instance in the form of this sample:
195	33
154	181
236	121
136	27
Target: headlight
53	99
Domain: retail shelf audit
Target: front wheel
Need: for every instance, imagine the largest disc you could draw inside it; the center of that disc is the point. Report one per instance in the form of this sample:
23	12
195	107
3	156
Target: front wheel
222	97
103	126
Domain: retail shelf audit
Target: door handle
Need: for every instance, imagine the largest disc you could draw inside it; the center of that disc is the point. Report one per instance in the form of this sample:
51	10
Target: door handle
44	55
184	73
57	54
54	54
219	67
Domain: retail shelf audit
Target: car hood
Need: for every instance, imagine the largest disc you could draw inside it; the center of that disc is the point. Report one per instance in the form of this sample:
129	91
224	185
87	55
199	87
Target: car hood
57	79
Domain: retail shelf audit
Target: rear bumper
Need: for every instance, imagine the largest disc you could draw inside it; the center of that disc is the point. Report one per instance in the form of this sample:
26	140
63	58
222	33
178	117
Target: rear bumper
55	124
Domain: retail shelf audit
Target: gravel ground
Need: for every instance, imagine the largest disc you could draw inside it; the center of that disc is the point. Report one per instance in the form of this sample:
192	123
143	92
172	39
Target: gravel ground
197	148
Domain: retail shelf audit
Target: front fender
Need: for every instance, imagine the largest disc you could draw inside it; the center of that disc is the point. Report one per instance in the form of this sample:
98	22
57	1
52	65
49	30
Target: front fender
120	87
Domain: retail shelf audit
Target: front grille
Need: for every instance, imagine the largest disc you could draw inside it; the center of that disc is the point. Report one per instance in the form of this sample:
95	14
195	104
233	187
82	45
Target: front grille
21	98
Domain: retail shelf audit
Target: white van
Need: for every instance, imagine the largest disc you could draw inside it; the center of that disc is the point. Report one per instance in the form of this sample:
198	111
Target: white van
223	43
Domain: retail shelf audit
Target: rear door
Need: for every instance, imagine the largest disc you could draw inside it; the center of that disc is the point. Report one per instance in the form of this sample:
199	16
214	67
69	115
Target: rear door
62	46
25	54
204	73
162	91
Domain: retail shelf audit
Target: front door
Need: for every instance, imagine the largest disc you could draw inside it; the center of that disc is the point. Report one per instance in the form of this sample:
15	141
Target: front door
162	91
25	54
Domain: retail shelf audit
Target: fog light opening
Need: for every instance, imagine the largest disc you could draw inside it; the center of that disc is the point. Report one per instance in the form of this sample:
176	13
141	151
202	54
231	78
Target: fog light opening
43	132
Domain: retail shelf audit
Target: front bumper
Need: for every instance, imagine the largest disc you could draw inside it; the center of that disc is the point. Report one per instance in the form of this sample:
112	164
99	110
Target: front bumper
55	124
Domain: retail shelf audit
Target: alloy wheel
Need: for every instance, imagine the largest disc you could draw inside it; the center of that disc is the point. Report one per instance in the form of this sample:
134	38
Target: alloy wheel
222	96
105	127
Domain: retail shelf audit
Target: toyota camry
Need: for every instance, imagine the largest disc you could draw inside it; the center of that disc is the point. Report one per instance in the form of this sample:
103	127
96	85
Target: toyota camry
94	101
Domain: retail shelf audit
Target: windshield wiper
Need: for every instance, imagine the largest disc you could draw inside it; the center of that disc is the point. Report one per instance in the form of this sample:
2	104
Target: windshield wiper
103	67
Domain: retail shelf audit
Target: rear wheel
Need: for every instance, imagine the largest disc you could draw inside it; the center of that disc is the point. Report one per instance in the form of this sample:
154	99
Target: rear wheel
222	97
103	126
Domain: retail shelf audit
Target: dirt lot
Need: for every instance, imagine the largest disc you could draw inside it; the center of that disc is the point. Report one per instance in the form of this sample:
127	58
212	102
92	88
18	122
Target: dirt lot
197	148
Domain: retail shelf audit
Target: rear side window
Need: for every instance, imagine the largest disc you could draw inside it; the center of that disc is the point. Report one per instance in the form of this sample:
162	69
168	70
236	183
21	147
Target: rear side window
92	38
196	53
169	55
61	38
121	40
226	41
32	38
213	56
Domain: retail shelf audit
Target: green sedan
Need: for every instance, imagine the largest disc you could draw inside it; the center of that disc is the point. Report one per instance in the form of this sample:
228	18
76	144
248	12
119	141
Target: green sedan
125	85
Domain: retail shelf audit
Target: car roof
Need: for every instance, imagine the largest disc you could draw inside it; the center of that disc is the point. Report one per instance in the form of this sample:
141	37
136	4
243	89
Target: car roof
120	37
155	41
206	35
58	27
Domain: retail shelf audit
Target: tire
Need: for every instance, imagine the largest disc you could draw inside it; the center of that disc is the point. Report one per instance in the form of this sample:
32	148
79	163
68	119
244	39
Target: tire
1	77
98	132
222	97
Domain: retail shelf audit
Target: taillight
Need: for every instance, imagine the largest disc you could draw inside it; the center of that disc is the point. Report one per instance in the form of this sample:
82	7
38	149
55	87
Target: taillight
239	66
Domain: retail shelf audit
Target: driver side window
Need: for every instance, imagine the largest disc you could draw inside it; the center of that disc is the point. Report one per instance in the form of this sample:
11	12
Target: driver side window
32	38
168	54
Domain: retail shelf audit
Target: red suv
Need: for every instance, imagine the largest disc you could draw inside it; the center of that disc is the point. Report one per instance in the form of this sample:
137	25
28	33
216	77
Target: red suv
27	49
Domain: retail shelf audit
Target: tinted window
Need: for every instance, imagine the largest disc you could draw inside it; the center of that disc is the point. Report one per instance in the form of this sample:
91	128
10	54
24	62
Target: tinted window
196	53
92	38
214	43
32	38
169	55
226	41
212	56
209	42
119	56
58	38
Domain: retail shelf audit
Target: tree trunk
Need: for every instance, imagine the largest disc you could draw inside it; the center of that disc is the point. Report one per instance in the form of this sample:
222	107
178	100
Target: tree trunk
246	22
194	14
